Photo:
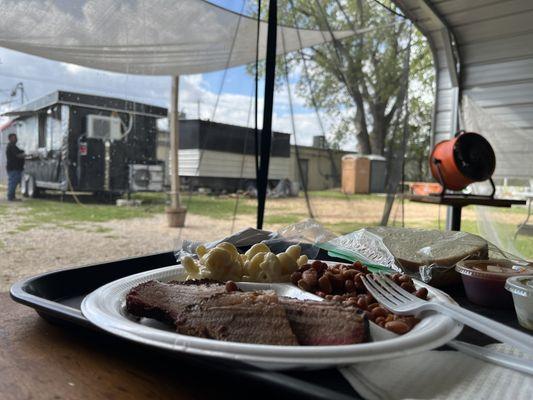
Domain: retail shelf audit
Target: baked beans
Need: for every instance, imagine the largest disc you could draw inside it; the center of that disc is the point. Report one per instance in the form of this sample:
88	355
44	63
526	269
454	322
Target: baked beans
342	283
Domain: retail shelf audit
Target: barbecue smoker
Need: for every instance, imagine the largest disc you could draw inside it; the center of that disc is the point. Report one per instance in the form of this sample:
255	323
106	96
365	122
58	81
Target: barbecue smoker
79	142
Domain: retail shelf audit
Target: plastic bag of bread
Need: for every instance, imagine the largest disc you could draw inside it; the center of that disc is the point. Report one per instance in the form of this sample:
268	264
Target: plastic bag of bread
428	254
432	253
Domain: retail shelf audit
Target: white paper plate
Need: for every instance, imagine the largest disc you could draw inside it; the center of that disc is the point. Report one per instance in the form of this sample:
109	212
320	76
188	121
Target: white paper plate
105	307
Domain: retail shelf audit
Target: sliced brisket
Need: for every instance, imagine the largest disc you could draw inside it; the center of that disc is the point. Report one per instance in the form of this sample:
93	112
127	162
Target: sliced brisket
246	317
166	301
206	309
325	324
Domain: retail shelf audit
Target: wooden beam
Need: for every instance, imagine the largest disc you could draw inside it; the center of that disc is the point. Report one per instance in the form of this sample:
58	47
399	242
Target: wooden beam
175	213
174	144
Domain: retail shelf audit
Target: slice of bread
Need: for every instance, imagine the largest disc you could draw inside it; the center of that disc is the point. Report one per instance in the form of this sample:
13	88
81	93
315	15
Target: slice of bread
417	247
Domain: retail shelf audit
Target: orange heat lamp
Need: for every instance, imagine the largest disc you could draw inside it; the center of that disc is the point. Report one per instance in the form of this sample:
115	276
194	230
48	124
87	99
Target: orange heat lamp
465	159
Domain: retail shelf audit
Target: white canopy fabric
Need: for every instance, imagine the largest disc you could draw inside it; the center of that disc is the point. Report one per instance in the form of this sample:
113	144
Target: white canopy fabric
148	37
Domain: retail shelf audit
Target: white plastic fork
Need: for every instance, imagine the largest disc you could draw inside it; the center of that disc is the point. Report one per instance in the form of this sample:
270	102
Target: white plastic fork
401	302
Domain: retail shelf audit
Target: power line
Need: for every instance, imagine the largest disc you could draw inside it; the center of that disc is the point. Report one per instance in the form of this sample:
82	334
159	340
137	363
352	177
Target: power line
390	9
293	125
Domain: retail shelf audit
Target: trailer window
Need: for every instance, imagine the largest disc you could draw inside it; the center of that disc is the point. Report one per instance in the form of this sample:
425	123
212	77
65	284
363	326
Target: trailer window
103	127
27	130
53	131
42	130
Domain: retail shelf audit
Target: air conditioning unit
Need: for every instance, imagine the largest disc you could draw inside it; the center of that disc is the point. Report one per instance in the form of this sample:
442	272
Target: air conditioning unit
146	178
103	127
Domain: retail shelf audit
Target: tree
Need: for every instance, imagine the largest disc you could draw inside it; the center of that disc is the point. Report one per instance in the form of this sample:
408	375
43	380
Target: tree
358	80
418	146
366	80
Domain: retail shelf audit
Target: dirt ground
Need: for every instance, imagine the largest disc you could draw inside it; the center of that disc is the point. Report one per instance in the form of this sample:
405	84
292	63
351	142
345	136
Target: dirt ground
48	247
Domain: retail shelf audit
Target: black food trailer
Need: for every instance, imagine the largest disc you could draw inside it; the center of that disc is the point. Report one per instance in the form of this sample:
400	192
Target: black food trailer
87	143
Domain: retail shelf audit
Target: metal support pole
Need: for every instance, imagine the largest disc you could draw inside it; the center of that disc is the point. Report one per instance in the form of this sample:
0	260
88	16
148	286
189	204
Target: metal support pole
175	213
266	133
456	218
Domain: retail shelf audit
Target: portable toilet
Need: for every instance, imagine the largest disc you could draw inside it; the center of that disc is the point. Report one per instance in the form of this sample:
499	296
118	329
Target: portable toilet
363	174
378	173
355	174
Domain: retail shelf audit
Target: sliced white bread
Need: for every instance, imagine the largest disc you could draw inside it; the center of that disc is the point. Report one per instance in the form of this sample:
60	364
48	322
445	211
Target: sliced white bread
416	247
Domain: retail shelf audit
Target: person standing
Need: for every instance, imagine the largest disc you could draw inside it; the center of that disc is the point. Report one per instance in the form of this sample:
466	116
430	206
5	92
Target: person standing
15	166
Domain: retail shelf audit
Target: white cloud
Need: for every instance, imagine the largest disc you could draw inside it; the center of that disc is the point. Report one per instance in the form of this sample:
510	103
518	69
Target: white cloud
41	76
73	68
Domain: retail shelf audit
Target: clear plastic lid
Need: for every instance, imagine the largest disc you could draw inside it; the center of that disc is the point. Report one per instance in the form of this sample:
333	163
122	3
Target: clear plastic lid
520	285
495	269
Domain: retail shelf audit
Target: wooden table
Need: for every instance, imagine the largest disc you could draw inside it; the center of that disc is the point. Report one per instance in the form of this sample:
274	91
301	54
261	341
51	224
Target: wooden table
457	202
40	360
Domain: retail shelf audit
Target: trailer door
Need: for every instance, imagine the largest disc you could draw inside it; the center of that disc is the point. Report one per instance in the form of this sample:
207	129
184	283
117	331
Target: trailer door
53	136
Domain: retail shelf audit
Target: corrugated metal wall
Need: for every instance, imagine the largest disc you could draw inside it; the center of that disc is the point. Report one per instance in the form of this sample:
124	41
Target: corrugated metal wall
494	39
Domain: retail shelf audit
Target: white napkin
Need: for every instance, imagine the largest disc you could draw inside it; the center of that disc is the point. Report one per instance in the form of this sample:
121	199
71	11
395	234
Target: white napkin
440	375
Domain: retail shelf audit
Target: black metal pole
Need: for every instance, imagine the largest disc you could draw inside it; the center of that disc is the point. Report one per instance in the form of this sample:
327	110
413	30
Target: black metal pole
456	218
266	132
256	116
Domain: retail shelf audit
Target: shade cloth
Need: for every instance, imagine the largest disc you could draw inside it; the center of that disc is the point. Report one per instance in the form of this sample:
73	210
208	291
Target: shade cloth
149	37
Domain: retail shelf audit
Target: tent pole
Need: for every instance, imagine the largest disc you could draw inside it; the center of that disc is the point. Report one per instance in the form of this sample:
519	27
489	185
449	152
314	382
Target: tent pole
175	213
266	132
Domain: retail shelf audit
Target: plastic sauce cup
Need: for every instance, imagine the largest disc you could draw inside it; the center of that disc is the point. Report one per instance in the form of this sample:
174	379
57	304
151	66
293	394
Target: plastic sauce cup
484	280
522	289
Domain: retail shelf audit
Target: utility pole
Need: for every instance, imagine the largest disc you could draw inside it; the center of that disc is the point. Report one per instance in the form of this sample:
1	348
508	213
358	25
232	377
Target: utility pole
175	213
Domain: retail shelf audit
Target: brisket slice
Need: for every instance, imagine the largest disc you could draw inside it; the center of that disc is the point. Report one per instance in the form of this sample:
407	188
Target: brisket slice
166	301
325	324
205	309
246	317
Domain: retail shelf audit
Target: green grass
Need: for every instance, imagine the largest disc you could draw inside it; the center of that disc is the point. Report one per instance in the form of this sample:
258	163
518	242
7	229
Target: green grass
208	206
214	207
337	194
150	197
286	219
102	229
25	227
70	215
54	212
522	243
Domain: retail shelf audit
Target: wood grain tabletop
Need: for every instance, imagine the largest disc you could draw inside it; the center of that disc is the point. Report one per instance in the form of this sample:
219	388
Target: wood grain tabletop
40	360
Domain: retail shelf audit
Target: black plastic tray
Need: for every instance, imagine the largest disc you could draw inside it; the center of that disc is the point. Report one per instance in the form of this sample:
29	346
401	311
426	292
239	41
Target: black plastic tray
57	297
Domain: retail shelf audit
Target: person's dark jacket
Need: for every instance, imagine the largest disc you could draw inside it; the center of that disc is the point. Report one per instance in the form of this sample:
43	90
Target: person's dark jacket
14	161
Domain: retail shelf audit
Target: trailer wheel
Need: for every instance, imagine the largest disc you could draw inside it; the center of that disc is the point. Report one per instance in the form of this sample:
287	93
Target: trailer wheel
24	185
32	189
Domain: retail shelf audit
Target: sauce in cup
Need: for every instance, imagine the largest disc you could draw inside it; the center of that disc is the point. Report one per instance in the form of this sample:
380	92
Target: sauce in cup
484	281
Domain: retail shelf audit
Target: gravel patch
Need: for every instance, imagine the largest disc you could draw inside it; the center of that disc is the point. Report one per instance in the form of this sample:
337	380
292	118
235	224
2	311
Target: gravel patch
27	249
37	249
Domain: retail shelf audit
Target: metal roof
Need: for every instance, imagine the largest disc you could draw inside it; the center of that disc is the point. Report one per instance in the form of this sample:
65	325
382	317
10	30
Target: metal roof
483	49
87	100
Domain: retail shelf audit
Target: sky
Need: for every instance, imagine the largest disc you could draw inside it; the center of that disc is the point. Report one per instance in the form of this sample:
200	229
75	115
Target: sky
197	98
